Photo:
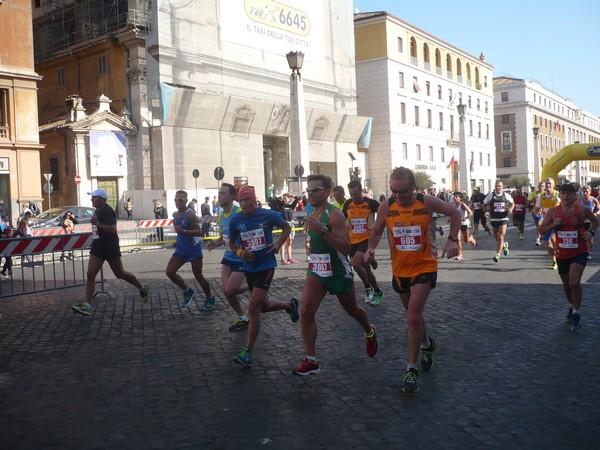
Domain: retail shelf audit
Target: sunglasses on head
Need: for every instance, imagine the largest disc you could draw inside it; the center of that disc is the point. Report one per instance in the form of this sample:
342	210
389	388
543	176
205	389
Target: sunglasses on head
400	191
314	190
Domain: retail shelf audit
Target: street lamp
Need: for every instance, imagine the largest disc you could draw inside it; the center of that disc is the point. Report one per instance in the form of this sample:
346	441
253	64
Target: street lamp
464	182
536	157
299	160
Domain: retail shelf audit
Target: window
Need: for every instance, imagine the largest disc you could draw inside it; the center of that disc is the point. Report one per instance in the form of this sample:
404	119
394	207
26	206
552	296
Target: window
405	151
486	107
450	98
441	121
60	77
479	130
481	160
505	119
416	87
489	158
440	95
402	112
102	65
442	154
418	152
470	128
400	45
506	162
506	147
478	105
428	88
4	114
55	173
429	119
401	80
504	97
431	153
487	132
416	116
469	101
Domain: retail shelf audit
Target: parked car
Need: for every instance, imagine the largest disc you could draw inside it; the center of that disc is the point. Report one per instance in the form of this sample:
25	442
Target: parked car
54	217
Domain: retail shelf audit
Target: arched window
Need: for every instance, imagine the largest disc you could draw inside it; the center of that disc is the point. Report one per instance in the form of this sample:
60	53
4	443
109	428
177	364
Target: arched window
477	82
458	68
438	61
449	65
413	47
426	56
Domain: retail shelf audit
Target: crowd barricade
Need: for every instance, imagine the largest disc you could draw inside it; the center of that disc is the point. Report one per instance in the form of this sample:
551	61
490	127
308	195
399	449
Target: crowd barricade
43	263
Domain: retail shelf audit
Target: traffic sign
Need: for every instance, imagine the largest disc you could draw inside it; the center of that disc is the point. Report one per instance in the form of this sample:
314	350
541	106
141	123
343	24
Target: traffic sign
195	173
299	170
219	173
48	188
48	176
77	179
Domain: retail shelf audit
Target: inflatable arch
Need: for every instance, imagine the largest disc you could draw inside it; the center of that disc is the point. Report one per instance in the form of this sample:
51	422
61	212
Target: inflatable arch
568	154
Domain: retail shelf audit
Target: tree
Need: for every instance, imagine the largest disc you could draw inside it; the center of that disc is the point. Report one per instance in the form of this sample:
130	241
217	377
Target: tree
519	181
423	180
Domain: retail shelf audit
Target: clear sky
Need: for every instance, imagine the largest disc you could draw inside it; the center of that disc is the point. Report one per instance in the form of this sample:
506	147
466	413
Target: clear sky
552	42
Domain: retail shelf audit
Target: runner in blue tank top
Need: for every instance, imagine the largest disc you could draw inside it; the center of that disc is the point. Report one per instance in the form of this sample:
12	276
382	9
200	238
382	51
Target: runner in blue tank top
253	229
188	249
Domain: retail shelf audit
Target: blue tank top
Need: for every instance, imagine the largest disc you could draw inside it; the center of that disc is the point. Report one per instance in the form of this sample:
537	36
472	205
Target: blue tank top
185	242
223	220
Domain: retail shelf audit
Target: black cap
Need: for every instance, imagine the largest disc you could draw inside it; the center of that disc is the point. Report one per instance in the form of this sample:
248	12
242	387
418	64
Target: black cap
567	187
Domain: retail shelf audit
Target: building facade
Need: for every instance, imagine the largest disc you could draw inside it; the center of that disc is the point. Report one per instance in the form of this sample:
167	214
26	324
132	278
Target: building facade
20	177
411	83
533	124
207	85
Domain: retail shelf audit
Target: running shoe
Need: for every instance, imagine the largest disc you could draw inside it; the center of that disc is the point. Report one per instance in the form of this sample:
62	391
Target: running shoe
521	236
496	258
239	324
85	309
459	257
554	264
244	357
377	297
209	303
505	249
489	232
372	342
307	367
411	381
569	318
576	322
441	231
427	359
145	293
589	257
374	264
294	315
369	295
188	295
537	242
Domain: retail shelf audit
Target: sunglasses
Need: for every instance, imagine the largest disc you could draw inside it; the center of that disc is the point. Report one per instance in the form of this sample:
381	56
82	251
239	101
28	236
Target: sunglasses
400	192
179	199
314	190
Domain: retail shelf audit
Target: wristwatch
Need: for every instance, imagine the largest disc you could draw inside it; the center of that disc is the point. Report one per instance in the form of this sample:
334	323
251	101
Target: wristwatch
452	238
324	229
591	232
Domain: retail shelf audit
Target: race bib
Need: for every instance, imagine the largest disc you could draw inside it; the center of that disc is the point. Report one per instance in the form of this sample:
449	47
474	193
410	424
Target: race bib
226	240
95	234
499	207
320	264
567	239
254	240
518	208
359	226
407	238
476	205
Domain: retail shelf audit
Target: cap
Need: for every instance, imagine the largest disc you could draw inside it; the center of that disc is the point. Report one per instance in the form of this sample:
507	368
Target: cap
246	192
567	187
476	188
99	193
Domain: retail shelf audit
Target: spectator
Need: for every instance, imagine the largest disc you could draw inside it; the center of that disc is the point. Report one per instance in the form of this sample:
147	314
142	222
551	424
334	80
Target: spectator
68	225
159	213
3	212
206	214
6	233
129	208
192	204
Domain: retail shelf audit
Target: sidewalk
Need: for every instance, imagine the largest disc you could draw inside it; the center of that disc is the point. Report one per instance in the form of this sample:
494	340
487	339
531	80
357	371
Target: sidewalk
508	373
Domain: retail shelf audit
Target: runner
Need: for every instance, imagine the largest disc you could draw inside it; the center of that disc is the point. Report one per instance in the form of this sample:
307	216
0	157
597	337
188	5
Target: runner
478	213
465	213
498	205
549	198
531	201
593	205
520	202
232	275
407	216
328	272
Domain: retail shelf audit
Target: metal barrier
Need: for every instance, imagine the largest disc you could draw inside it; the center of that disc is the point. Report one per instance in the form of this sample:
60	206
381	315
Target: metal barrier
43	263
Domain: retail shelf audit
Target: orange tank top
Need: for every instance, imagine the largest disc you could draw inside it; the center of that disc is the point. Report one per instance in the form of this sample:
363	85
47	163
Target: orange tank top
410	242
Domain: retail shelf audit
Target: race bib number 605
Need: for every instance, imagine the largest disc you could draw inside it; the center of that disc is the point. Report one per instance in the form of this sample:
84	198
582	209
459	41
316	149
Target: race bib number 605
407	238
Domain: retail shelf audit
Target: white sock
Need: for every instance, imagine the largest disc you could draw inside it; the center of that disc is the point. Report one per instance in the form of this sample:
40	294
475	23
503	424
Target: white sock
411	366
244	318
575	311
312	359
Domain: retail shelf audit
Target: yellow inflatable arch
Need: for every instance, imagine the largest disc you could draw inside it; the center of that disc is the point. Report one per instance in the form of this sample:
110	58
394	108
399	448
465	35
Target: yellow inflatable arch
568	154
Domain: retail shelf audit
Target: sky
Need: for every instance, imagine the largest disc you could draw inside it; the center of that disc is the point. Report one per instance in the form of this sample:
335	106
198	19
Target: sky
554	43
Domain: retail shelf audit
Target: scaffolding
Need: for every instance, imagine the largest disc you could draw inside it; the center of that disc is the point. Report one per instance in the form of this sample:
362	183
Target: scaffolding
68	23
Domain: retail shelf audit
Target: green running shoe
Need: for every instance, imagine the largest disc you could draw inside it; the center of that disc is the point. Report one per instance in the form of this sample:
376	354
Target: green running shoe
411	381
145	293
427	359
239	324
85	309
188	295
209	303
244	357
369	295
505	249
377	297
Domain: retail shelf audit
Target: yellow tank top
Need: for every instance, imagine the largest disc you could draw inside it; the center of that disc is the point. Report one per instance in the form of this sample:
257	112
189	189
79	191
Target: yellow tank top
410	242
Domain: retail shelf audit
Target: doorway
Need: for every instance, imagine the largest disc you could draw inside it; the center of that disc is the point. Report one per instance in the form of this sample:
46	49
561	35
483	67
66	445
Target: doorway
110	185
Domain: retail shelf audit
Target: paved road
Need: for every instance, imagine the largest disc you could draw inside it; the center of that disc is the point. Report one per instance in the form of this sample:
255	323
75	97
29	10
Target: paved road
509	373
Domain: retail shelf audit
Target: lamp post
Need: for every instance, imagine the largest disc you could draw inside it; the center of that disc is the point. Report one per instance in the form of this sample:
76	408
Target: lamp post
536	157
464	182
298	137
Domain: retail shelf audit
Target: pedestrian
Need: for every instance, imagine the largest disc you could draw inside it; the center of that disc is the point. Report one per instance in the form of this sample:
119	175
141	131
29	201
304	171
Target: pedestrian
531	202
188	248
251	238
465	224
68	226
192	205
6	232
549	198
205	212
593	205
360	213
568	222
286	248
407	216
105	247
160	213
129	208
3	212
339	197
329	271
232	274
520	209
478	213
498	205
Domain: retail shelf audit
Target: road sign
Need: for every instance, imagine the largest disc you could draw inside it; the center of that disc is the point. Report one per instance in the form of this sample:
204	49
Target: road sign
48	176
48	188
299	170
195	173
77	179
219	173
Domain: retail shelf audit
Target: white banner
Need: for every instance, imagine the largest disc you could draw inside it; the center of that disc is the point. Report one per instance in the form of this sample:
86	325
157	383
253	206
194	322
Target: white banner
108	157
